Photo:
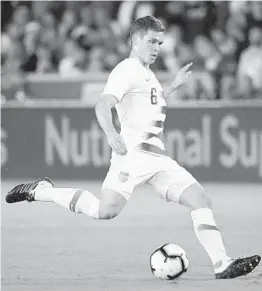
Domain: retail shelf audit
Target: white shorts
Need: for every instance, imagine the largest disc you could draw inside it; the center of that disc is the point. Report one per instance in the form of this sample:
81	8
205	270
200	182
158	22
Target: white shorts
159	172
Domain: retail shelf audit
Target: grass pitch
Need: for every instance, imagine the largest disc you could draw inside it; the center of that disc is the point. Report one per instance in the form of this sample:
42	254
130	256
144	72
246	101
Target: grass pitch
48	248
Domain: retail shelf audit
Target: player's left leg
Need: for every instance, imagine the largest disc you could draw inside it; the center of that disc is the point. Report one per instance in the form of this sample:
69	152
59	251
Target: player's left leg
205	227
208	234
178	185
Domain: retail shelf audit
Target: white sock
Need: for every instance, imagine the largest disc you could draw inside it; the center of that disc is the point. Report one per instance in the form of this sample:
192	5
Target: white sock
76	200
209	235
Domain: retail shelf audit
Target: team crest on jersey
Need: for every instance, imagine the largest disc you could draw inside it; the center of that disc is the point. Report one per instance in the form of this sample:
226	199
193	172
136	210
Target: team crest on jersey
123	177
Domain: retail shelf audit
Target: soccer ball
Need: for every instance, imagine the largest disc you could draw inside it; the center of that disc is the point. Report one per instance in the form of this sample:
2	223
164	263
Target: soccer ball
168	262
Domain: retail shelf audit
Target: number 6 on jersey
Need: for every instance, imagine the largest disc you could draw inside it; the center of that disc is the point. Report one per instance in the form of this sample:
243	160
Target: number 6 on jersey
153	96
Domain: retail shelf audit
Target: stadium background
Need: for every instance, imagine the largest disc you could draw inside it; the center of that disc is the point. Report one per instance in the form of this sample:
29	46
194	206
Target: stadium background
55	58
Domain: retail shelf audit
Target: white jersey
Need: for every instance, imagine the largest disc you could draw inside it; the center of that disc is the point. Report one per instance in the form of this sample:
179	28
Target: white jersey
141	109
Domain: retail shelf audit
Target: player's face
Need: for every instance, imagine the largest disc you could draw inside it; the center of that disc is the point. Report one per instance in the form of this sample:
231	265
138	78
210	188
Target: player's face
148	46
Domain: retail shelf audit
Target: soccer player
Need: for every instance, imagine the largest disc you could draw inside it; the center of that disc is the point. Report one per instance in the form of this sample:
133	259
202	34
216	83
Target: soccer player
138	152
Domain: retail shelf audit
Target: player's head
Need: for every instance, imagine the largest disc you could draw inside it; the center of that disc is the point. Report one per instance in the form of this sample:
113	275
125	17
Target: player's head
146	36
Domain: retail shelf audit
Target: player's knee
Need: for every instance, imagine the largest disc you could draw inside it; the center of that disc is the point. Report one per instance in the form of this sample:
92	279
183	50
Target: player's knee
202	201
108	212
194	197
111	204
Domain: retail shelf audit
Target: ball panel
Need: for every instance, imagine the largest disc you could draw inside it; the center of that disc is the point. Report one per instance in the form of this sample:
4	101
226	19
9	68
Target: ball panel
172	249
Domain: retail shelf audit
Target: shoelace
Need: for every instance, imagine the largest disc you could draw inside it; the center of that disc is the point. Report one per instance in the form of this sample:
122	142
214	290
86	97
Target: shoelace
27	187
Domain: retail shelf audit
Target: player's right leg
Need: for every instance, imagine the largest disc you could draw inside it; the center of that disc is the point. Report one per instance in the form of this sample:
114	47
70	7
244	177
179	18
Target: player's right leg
108	206
116	190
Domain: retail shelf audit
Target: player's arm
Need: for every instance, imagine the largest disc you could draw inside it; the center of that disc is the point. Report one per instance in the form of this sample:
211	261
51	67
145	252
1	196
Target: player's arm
118	84
180	79
104	117
104	114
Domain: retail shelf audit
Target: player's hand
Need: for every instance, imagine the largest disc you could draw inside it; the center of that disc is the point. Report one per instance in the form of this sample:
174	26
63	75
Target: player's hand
117	143
182	76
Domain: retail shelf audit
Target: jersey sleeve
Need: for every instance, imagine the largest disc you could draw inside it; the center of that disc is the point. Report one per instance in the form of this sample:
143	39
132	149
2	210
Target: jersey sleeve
119	82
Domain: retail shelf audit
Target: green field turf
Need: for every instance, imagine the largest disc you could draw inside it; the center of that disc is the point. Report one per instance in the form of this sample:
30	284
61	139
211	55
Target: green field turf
46	247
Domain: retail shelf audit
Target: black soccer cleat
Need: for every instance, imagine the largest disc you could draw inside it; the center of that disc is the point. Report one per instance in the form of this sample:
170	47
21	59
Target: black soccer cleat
24	192
239	267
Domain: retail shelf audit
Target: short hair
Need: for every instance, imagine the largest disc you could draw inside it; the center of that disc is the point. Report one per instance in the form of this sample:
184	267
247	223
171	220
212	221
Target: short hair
146	23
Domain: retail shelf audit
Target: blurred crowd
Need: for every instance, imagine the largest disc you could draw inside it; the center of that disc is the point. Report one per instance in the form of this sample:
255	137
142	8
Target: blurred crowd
223	39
